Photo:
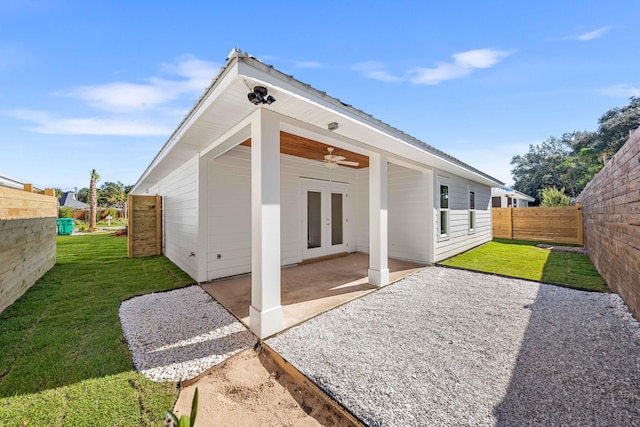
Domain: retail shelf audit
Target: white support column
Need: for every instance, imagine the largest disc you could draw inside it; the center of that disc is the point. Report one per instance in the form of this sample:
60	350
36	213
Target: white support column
378	239
265	311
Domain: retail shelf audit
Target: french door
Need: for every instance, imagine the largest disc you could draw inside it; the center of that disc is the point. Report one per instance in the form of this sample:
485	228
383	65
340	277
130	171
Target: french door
324	218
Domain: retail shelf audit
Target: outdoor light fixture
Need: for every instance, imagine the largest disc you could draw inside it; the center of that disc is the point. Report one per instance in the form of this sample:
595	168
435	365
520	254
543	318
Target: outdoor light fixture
259	96
332	126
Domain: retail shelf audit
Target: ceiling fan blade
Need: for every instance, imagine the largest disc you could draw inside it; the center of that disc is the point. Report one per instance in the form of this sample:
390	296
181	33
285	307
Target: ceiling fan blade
329	157
339	158
347	163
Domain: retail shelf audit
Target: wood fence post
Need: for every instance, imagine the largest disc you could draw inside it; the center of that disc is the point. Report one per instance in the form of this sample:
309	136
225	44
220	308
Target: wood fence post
28	188
511	222
50	192
579	220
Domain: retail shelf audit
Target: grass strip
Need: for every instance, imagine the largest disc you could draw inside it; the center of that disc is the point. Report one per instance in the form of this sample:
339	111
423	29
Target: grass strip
522	259
63	358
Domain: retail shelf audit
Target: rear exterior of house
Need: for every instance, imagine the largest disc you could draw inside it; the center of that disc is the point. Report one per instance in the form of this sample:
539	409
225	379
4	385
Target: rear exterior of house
416	231
248	187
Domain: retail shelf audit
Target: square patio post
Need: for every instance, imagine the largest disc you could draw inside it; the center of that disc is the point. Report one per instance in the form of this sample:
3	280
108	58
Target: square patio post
378	241
266	310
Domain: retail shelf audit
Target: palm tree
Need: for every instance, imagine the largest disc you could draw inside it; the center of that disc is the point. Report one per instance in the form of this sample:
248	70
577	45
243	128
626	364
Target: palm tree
93	199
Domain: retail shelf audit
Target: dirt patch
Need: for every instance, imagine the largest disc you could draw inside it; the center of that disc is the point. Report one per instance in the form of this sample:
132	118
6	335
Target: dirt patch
251	389
571	249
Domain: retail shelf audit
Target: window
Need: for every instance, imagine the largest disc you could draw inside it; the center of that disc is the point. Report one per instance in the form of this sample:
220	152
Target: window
472	211
444	210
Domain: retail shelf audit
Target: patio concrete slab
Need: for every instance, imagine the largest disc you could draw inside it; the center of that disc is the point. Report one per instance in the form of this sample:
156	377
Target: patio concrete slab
310	289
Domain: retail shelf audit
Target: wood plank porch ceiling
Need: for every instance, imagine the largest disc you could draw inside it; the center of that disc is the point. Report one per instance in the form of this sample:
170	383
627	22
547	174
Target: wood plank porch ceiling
299	146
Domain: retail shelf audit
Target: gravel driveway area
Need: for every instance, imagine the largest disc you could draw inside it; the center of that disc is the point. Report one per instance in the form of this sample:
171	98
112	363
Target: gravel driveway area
451	347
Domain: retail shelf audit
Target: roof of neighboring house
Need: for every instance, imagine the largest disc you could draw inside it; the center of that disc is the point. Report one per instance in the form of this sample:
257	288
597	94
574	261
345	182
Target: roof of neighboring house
224	104
506	191
11	182
69	200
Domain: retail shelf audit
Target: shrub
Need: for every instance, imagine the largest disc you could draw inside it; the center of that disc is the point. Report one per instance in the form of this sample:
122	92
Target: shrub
552	197
65	212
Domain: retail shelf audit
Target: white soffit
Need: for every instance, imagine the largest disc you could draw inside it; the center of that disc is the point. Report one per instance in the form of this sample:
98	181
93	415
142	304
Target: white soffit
225	104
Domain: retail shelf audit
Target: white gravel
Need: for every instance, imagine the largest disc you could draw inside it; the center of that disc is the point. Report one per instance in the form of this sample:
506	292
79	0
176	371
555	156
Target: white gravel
450	347
177	335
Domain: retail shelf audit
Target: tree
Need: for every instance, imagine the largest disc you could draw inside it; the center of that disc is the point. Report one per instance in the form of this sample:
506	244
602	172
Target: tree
552	197
93	199
83	195
542	166
614	127
572	160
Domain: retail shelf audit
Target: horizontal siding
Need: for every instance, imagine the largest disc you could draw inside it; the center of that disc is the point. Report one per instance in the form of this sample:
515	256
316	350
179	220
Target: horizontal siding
409	220
229	209
409	201
179	192
460	237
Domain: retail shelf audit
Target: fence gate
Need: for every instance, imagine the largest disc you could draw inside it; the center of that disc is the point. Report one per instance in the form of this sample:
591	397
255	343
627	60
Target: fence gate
145	226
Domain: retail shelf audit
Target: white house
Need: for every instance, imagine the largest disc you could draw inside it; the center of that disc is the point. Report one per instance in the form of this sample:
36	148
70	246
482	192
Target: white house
504	197
249	184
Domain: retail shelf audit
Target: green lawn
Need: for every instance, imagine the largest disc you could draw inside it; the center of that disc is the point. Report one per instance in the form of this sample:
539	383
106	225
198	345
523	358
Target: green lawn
63	358
523	259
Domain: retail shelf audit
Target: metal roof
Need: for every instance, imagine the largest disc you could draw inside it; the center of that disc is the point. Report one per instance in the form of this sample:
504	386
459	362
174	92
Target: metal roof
224	104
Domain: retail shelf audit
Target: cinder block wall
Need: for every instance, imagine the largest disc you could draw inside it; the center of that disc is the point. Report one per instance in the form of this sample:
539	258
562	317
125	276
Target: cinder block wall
27	241
611	222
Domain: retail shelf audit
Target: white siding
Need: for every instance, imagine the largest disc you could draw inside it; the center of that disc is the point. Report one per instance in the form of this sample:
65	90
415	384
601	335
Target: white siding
409	202
460	238
409	220
179	191
229	209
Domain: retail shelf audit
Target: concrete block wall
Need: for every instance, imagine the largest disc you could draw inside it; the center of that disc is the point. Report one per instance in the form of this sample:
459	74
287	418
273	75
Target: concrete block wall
611	222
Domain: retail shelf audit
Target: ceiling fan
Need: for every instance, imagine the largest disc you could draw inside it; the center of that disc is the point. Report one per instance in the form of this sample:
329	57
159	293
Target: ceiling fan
332	161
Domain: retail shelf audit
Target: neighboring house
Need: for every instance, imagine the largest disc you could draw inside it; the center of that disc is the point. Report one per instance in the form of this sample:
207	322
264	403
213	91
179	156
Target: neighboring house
248	185
505	197
69	199
11	182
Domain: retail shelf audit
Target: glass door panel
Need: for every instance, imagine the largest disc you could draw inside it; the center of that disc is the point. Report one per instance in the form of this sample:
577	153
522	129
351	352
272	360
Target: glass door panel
337	219
314	219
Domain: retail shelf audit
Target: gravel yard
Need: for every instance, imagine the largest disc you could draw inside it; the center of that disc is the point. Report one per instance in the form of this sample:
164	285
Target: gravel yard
451	347
179	334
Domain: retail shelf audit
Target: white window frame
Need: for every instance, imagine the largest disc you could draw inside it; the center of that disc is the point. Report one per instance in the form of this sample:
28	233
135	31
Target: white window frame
447	235
472	211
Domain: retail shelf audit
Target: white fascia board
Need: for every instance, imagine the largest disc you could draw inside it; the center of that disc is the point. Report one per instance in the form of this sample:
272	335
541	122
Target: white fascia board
220	84
399	147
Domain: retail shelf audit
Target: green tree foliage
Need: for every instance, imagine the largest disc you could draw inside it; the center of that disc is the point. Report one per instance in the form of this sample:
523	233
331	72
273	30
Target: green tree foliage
65	212
572	160
552	197
83	195
112	194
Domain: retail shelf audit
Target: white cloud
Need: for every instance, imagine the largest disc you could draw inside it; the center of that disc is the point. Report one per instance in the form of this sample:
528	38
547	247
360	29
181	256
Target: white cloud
376	70
47	123
464	63
593	34
308	64
195	75
621	90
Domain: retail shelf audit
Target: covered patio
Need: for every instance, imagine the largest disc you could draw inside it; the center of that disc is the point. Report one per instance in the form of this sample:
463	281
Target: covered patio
309	289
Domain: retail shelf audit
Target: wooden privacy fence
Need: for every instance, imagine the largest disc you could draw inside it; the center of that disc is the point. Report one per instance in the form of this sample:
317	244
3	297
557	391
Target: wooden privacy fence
145	226
27	240
559	225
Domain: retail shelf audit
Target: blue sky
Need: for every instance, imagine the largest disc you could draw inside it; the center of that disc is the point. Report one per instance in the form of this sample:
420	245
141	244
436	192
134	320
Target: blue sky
101	85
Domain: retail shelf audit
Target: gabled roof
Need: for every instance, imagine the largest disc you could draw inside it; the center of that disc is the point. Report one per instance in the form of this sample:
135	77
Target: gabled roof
306	111
68	199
